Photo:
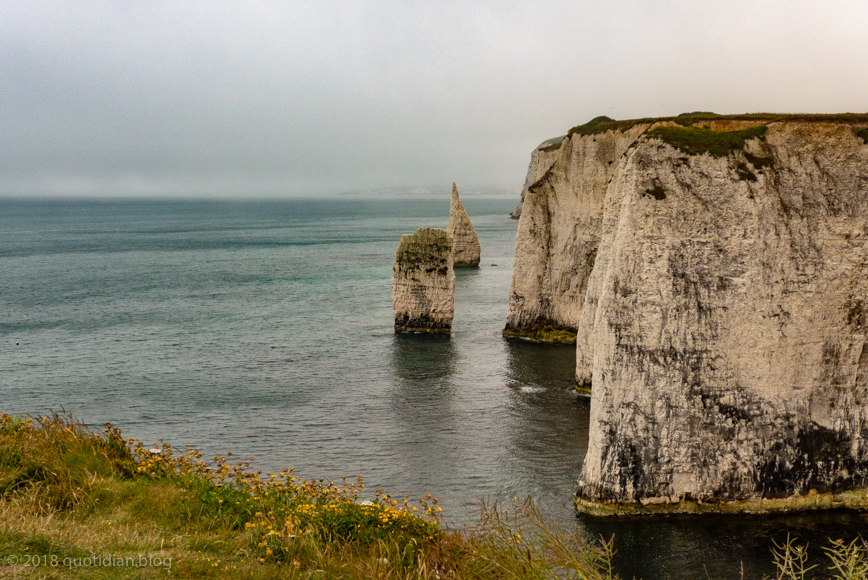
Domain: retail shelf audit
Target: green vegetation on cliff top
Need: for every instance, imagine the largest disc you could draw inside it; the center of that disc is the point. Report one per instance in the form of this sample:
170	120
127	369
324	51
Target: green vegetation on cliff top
600	125
696	141
689	136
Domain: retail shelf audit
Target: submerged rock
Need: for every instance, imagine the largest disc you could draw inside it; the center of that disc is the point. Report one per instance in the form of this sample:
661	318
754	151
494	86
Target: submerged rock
714	271
466	244
423	291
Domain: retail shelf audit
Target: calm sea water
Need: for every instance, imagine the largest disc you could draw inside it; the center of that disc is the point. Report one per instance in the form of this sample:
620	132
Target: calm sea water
265	329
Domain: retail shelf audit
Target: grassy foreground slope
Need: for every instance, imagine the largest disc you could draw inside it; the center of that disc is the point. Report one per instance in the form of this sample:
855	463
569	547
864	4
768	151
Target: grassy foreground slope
80	504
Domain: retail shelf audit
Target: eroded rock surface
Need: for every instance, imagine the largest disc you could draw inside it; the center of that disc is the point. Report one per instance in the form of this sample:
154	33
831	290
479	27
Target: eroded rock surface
558	234
540	160
715	272
465	243
423	291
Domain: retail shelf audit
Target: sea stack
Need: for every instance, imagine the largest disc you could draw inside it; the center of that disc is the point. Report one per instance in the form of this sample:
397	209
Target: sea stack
465	242
423	291
714	270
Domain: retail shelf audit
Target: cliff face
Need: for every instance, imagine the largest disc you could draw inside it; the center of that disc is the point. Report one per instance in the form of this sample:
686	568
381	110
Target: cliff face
423	289
465	243
559	232
716	275
540	160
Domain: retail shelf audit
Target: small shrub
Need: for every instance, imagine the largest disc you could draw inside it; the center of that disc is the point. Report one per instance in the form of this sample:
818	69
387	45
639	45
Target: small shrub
863	134
657	191
759	162
744	173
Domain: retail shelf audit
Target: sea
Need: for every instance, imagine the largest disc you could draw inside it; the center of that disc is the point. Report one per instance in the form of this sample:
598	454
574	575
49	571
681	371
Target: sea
265	328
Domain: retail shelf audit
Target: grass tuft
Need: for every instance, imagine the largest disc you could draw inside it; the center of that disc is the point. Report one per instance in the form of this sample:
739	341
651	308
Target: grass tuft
60	458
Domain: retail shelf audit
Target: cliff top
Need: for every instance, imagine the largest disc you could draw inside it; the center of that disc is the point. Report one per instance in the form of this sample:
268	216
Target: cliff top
704	132
422	247
603	124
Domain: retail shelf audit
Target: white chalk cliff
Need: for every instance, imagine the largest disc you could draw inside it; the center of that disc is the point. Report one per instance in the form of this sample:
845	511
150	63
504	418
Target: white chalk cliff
714	272
540	160
423	288
465	243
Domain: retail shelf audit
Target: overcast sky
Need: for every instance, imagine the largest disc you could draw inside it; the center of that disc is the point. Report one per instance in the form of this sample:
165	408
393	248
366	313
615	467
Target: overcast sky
178	98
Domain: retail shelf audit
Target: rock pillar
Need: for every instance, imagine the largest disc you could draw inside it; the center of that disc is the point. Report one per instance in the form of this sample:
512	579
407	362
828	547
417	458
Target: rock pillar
466	244
423	292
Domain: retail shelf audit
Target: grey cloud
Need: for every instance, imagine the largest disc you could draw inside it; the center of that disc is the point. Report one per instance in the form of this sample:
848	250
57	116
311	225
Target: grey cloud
303	98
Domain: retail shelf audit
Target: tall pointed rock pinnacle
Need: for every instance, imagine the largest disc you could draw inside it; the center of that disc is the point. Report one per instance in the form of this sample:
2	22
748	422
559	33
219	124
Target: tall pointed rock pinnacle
465	243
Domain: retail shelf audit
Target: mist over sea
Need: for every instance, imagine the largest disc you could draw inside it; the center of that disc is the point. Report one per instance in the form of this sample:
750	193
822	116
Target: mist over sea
264	328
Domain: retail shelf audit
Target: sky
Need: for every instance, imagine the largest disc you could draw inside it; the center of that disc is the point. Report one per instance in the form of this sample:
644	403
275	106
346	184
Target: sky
276	99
